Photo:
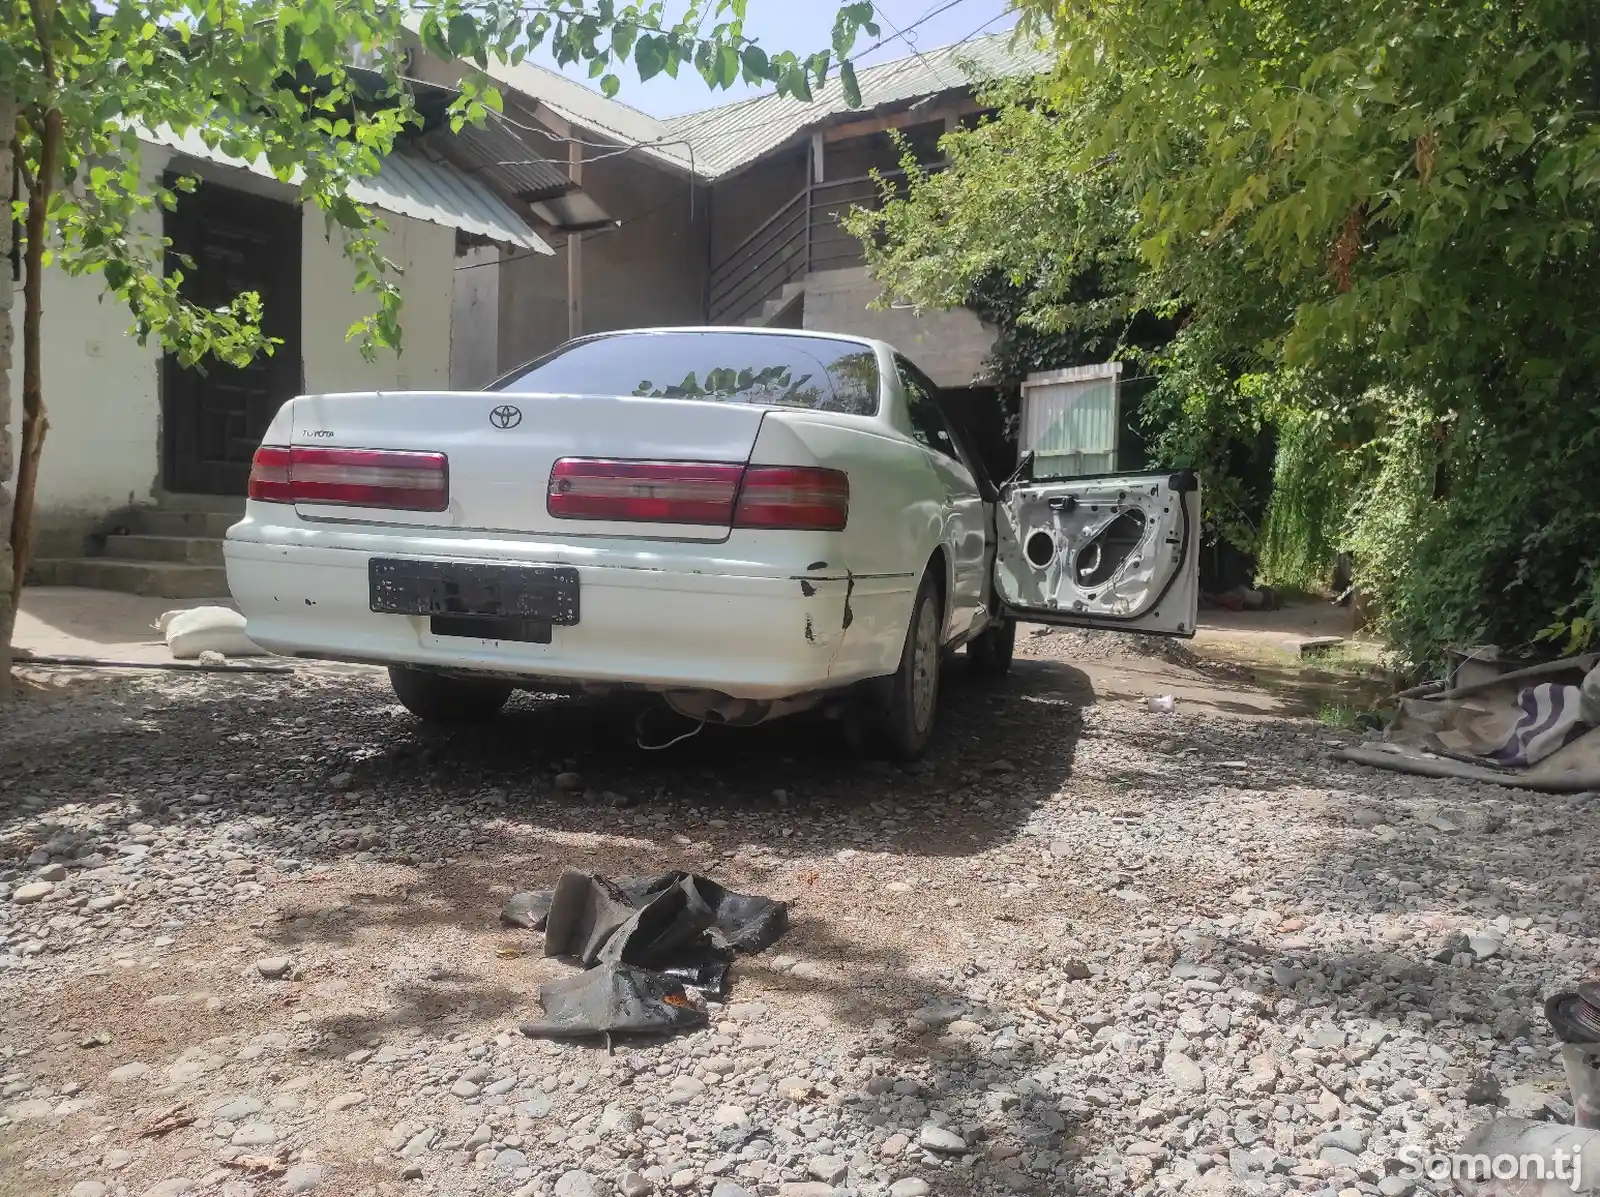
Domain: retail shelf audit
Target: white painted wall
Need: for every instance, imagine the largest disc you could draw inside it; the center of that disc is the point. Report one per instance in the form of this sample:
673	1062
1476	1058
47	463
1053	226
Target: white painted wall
99	390
329	305
101	386
475	319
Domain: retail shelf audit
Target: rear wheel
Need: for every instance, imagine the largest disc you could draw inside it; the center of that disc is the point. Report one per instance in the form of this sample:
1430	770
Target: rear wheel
435	698
907	721
989	653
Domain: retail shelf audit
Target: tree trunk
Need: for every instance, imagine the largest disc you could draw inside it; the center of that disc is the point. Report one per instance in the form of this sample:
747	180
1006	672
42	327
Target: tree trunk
34	420
48	127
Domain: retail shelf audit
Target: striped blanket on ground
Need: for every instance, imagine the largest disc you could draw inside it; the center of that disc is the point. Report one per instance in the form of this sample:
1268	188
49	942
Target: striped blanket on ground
1550	717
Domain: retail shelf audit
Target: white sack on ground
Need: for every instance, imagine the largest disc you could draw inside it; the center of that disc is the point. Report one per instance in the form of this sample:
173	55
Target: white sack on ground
207	629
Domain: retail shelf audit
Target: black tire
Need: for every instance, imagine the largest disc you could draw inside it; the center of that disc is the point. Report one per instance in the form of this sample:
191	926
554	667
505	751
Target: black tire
989	653
435	698
913	698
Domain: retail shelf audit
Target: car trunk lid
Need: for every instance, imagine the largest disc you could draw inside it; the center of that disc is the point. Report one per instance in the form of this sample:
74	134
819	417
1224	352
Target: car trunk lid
501	450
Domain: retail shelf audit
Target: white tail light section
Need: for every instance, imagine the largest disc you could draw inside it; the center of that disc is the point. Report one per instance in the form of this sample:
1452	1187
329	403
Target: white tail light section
704	493
644	492
389	478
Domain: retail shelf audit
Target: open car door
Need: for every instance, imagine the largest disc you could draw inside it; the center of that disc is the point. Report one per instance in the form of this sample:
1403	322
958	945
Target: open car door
1120	553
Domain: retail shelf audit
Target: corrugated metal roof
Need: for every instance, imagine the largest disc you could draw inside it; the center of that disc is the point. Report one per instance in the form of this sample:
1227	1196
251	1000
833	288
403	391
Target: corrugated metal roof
730	137
441	194
584	106
406	185
503	156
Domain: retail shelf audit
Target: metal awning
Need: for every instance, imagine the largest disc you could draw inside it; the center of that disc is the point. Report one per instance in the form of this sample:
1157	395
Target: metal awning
574	213
441	194
500	155
406	185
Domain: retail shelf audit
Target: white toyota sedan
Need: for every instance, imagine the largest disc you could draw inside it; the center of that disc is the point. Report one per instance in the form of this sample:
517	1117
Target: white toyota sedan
748	522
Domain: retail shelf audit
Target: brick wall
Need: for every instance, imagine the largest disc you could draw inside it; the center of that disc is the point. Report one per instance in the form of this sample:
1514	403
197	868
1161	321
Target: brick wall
7	120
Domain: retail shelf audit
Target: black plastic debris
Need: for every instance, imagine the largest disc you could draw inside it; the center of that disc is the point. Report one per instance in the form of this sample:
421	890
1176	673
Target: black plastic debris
613	998
642	940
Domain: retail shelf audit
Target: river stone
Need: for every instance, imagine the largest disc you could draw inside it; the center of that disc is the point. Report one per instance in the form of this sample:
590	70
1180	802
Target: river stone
941	1138
578	1183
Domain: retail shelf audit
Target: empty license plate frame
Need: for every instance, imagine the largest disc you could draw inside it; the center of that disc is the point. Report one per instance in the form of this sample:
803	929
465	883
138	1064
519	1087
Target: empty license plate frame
536	593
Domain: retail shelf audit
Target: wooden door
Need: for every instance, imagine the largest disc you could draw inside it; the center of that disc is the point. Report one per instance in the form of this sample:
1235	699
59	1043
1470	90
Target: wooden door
214	414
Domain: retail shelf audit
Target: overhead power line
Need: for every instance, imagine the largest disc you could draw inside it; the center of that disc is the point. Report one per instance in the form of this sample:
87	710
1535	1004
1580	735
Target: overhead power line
905	36
900	34
997	17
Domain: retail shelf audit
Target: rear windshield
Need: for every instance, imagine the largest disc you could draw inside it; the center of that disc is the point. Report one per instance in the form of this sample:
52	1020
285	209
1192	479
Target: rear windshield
723	367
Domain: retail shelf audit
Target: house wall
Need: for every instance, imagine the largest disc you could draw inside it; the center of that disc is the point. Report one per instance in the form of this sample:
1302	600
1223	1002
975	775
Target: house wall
102	389
949	346
102	395
650	271
533	304
742	203
853	157
475	319
426	255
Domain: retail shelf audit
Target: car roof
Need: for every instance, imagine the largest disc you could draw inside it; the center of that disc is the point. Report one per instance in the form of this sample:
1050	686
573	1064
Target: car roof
741	330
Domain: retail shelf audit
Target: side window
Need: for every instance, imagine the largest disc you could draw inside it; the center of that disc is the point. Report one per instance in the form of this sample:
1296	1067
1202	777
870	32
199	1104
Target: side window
927	421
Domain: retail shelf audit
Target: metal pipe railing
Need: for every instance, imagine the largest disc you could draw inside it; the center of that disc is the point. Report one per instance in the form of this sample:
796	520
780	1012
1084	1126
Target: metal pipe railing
734	271
767	230
756	289
784	247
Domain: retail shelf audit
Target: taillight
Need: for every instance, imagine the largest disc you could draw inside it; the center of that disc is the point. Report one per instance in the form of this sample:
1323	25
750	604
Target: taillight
269	475
706	493
661	492
389	478
793	497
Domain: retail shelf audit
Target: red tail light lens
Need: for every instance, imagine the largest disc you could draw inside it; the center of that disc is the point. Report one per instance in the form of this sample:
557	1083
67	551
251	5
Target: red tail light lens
790	497
269	475
648	492
708	493
388	478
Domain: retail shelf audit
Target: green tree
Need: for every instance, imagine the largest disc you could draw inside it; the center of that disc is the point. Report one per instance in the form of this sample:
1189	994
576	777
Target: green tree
1375	227
264	80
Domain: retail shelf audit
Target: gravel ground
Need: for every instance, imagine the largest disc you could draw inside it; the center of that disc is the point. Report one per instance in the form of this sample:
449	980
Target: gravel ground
249	945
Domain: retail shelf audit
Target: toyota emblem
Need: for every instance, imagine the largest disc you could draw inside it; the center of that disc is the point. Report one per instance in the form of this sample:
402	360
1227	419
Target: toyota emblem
505	416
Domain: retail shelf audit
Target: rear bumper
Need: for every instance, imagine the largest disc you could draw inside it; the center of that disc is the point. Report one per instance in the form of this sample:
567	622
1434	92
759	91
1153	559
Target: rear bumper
715	625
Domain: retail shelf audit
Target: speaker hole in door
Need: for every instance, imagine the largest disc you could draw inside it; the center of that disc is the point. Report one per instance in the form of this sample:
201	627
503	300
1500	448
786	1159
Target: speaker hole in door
1105	554
1040	549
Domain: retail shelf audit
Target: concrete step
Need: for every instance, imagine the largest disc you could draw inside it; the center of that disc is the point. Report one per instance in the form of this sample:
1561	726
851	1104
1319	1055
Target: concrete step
778	306
164	521
186	550
229	503
164	579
